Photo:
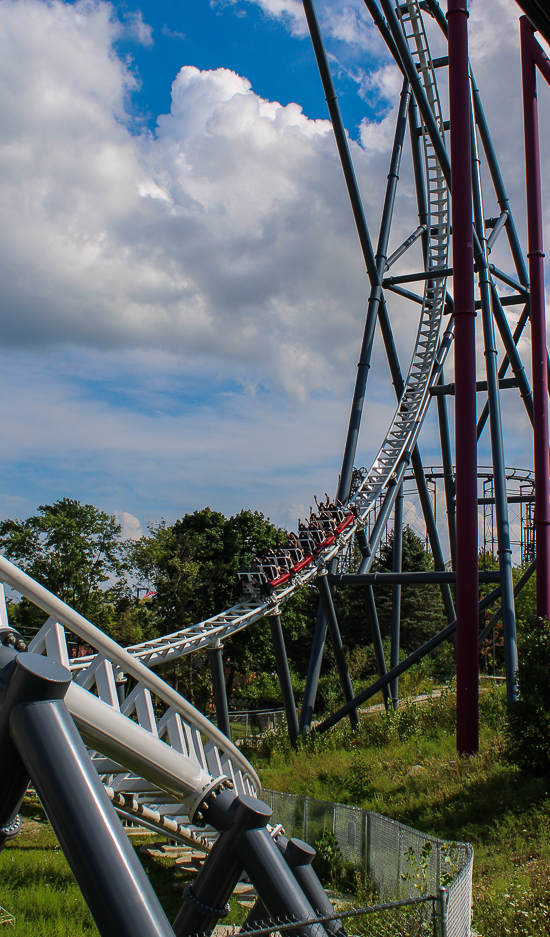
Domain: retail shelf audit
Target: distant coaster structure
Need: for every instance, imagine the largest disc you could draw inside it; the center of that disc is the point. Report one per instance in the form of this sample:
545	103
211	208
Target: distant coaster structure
150	754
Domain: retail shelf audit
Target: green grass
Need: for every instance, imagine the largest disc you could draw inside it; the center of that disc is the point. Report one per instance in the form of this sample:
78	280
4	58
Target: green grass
504	813
38	888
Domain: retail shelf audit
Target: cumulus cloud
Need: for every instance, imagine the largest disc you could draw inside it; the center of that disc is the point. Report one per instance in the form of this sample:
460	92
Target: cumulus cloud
131	526
222	243
227	234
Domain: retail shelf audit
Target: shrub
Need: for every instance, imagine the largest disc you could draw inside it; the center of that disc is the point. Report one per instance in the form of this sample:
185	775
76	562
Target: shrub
429	720
331	868
328	861
528	722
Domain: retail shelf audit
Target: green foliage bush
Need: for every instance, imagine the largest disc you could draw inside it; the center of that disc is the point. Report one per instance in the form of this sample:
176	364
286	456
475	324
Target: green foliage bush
334	872
427	720
528	723
329	861
522	909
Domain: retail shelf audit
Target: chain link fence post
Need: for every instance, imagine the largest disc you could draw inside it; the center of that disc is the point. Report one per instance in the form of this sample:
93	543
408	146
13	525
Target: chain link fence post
442	911
398	861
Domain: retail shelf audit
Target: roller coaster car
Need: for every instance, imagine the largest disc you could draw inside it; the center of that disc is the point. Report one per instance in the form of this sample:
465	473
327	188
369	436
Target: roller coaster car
249	585
255	584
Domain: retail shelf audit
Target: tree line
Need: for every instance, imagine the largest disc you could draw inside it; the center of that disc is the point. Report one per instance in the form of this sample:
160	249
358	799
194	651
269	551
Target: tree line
179	574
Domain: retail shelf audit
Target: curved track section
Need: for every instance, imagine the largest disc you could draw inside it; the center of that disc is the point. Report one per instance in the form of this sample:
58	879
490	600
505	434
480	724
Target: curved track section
407	420
156	754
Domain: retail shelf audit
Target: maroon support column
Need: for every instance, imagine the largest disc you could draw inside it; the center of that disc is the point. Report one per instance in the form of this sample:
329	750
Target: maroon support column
532	53
467	591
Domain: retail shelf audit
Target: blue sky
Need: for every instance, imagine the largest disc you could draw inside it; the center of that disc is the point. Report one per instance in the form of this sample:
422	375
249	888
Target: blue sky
240	36
184	295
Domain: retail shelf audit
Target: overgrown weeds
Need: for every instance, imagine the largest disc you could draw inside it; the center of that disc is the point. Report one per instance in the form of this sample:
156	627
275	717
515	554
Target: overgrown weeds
406	767
427	720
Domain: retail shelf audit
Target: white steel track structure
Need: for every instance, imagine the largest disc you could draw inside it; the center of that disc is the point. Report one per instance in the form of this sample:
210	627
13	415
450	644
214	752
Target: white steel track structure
408	417
156	754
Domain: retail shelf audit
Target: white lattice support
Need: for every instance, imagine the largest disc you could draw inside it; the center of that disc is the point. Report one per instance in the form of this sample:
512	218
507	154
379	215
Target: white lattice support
195	746
4	621
106	685
213	759
171	725
51	641
140	702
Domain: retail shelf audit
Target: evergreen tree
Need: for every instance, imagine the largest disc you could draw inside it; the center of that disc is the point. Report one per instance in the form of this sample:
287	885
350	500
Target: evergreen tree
422	611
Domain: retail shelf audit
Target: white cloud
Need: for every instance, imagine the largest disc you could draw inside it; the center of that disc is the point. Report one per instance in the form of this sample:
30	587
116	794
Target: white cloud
350	24
138	30
223	247
291	12
131	526
229	235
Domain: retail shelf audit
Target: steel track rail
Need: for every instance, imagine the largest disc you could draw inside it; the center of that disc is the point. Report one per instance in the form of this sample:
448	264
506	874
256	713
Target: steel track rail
136	742
408	416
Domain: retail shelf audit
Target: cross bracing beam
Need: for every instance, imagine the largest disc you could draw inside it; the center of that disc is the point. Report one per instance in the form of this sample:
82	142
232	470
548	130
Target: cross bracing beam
431	274
405	578
404	247
491	240
376	635
514	300
511	499
501	275
450	389
401	668
522	581
336	640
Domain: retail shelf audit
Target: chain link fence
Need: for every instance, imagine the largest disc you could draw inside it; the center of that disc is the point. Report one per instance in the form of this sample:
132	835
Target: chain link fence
416	917
400	862
250	723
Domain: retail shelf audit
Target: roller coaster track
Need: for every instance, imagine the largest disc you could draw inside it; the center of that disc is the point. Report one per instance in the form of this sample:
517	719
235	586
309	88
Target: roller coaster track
156	754
406	423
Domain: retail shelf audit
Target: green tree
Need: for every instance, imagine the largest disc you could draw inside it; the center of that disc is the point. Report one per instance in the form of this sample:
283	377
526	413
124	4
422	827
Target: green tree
192	564
422	611
72	549
528	723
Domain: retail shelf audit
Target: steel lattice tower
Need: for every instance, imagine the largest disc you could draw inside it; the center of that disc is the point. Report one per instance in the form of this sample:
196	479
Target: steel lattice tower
158	757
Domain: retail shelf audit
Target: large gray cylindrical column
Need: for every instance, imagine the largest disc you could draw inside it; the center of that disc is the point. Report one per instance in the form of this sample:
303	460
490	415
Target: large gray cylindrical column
283	673
215	655
108	871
